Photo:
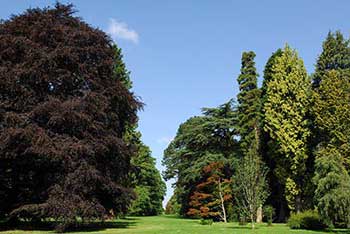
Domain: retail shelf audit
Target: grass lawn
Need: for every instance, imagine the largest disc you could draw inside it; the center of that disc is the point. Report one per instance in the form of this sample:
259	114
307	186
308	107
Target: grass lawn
173	225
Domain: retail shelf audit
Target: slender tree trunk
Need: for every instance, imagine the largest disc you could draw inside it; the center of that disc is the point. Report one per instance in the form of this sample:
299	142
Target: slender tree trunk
252	219
298	203
222	203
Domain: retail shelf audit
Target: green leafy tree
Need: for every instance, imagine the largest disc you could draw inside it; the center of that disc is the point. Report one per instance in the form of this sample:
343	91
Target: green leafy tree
200	141
150	188
333	187
285	119
172	206
250	188
269	149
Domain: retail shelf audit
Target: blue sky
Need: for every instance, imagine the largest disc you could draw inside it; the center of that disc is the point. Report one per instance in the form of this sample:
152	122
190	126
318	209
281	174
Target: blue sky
184	55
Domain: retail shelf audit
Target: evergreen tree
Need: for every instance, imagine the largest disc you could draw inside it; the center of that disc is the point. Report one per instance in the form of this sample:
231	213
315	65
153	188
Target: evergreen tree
332	187
150	188
249	101
200	141
285	111
269	149
335	56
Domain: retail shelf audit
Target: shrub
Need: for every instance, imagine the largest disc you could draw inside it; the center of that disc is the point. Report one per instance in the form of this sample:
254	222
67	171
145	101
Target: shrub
306	220
269	212
206	222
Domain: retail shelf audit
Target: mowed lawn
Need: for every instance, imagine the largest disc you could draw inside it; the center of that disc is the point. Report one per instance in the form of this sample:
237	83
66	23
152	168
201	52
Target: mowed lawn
173	225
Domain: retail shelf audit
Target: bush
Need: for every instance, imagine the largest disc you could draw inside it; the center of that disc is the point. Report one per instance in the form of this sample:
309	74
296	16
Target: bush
306	220
206	222
269	213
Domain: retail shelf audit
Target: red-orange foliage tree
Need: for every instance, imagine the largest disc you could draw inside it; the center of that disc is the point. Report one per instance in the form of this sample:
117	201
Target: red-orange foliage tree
211	196
63	114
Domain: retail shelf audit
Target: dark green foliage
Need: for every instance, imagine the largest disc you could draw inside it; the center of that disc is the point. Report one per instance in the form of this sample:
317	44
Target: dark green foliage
335	56
309	220
200	141
331	133
269	213
333	187
206	222
249	181
249	101
63	115
150	188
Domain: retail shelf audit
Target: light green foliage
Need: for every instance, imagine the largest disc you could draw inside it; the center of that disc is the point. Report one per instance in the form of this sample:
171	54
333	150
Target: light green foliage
250	188
285	108
173	225
308	219
332	111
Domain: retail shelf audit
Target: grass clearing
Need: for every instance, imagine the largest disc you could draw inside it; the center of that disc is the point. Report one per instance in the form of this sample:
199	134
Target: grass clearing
174	225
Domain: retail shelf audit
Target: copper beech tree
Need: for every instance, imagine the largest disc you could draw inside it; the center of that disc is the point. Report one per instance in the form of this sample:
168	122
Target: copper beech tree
63	114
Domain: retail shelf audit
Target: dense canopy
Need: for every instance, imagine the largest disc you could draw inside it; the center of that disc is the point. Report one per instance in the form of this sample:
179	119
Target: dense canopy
63	114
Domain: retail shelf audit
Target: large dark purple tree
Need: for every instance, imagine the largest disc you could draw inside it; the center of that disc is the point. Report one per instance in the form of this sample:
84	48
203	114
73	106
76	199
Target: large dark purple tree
63	115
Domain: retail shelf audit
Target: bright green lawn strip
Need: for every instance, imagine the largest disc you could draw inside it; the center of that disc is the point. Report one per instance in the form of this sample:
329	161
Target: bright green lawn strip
173	225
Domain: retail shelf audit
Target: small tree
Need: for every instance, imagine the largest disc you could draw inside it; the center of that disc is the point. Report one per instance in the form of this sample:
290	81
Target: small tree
250	185
333	187
211	196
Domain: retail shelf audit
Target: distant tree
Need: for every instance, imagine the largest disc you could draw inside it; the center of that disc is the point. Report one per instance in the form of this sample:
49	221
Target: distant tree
63	115
200	141
150	188
286	121
212	195
172	206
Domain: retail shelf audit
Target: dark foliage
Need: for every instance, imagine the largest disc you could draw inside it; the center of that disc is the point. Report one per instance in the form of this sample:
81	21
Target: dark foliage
63	114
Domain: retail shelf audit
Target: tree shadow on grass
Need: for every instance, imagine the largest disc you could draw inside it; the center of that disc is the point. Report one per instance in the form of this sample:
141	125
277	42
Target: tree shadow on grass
49	226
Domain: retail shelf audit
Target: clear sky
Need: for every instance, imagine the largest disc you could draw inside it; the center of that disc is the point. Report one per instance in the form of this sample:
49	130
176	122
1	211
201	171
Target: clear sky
184	55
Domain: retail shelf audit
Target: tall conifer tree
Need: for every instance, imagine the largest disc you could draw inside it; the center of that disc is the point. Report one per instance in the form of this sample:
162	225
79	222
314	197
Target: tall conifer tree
285	110
248	99
331	141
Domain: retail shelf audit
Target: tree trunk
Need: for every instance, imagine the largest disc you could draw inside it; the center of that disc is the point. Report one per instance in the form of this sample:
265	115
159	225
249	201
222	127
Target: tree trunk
252	219
298	203
222	203
259	215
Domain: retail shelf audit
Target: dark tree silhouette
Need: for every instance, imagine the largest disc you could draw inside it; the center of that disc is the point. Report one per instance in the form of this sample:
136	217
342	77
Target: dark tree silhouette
63	115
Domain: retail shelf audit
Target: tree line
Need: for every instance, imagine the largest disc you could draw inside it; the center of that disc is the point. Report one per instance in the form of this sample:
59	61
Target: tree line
69	146
284	145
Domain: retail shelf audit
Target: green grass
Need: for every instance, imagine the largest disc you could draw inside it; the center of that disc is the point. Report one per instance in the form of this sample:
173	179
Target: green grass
173	225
